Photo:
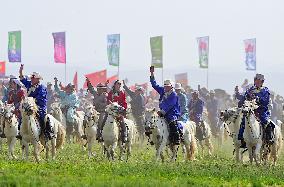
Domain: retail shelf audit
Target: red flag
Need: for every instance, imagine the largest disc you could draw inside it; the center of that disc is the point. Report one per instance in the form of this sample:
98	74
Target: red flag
75	81
112	79
96	78
2	68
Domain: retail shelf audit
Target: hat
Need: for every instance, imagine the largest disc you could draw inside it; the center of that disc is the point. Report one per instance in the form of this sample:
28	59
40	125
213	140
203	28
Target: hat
168	83
49	83
36	75
195	91
259	77
18	82
178	86
117	81
70	86
212	92
100	85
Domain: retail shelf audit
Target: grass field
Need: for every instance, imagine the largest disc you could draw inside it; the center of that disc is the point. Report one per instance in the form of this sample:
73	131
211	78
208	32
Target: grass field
73	168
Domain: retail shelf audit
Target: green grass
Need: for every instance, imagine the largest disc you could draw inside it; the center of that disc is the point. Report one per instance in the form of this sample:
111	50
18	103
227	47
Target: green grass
73	168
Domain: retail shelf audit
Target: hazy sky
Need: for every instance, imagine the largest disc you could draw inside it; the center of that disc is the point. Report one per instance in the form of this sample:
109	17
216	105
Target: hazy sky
87	22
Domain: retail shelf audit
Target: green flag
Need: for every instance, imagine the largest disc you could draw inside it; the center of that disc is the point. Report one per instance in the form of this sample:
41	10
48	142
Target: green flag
157	51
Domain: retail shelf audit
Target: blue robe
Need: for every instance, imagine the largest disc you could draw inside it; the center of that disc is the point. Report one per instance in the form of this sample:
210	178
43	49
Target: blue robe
38	92
169	104
183	107
195	108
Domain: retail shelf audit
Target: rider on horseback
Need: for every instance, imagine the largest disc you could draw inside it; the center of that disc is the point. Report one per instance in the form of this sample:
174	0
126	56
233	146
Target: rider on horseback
262	113
69	103
182	102
15	95
100	103
38	91
169	106
195	108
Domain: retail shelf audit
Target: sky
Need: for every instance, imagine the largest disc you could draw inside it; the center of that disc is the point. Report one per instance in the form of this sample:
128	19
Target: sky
88	22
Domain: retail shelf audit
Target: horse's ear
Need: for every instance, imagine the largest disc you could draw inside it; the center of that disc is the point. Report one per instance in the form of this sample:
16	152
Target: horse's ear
154	110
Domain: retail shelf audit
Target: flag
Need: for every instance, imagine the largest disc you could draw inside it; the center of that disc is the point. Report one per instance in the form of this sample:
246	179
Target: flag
181	78
59	47
96	78
14	46
157	51
75	81
203	51
2	69
112	79
250	50
113	45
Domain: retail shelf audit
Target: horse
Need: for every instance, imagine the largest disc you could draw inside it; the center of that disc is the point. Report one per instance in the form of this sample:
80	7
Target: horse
91	125
10	121
58	138
2	106
252	132
110	132
160	136
233	116
74	130
30	128
206	141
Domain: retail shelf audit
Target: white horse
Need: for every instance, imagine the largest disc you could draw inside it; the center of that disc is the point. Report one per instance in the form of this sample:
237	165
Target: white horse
160	136
207	139
72	130
10	122
58	139
111	133
2	106
252	132
30	128
91	125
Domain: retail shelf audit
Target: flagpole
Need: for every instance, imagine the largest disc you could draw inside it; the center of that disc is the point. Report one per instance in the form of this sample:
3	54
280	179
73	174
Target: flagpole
118	71
207	79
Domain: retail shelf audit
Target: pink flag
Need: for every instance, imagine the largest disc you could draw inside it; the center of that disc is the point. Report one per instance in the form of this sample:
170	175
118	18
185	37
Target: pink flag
59	47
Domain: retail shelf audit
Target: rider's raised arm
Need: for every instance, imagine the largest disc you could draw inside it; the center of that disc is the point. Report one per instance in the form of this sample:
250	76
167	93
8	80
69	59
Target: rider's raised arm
154	84
91	88
58	91
27	83
129	92
169	103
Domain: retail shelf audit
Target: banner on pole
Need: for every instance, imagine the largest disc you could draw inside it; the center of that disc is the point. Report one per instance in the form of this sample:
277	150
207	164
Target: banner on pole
157	51
14	46
250	50
2	69
182	79
59	47
113	45
203	51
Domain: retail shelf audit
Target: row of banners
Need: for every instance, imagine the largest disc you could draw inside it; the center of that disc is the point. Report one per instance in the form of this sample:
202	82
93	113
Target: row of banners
113	46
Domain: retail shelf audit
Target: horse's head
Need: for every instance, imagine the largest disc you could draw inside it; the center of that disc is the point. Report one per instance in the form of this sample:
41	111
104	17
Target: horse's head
9	112
115	109
28	106
55	109
150	118
249	107
91	114
229	115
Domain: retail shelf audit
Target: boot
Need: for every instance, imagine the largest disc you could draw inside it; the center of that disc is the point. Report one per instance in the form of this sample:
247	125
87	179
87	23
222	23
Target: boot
175	133
123	131
243	144
99	136
203	130
84	129
269	134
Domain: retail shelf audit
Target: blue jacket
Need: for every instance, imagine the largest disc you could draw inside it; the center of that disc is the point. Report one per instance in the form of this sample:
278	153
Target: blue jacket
262	96
67	100
183	103
195	108
38	92
169	103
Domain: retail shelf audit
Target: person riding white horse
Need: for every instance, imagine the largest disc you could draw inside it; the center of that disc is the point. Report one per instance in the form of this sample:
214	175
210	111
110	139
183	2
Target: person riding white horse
169	106
183	102
69	104
262	113
100	103
38	91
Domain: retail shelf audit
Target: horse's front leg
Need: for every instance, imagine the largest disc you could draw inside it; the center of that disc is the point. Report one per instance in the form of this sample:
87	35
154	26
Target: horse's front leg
36	150
90	142
12	147
257	154
250	151
25	150
9	140
53	148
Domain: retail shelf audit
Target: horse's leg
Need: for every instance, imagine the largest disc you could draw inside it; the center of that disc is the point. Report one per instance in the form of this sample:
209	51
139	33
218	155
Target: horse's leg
257	154
47	149
237	153
9	140
1	142
208	143
13	142
184	151
36	150
25	149
89	142
250	151
53	148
